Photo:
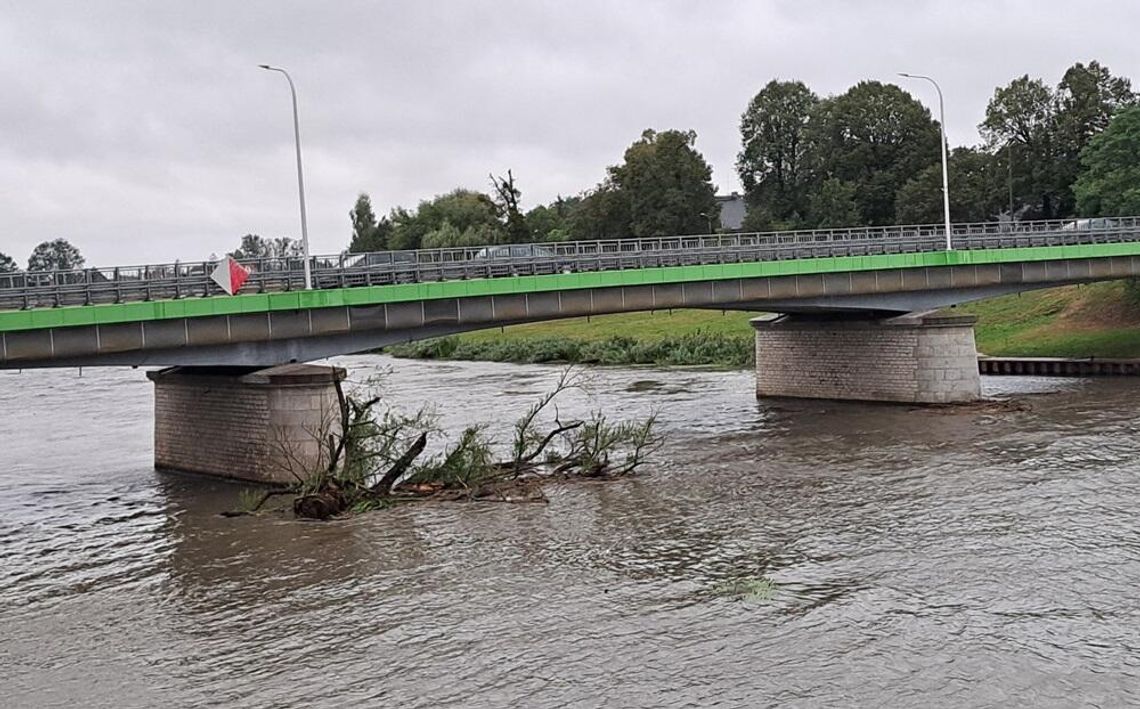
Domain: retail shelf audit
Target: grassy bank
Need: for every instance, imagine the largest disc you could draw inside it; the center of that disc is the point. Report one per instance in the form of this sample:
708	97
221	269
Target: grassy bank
1099	320
683	337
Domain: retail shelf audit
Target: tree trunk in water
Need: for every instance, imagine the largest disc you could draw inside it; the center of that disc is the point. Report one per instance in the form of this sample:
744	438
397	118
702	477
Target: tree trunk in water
320	505
384	486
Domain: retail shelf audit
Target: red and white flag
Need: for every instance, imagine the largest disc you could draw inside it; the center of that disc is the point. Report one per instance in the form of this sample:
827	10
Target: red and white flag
230	275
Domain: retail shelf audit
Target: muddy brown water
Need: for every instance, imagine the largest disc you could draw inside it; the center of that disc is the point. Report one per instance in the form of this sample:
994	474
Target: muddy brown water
915	558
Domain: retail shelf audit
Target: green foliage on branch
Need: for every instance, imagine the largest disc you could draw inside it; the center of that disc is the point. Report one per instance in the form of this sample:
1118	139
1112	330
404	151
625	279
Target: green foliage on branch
370	457
1110	184
465	464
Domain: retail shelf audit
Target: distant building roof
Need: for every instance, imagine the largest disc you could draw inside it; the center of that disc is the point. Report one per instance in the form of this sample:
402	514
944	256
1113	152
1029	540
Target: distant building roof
732	211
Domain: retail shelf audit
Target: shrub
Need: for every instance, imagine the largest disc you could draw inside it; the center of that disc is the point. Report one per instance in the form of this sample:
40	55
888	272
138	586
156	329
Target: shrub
695	348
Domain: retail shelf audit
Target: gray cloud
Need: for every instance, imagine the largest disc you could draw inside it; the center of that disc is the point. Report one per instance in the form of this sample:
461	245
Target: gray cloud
143	131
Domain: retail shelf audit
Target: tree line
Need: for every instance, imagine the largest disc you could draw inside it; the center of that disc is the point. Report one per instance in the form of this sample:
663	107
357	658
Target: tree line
867	157
62	255
662	186
54	255
870	156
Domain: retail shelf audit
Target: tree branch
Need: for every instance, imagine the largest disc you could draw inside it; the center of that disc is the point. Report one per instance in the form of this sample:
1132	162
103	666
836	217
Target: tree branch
384	485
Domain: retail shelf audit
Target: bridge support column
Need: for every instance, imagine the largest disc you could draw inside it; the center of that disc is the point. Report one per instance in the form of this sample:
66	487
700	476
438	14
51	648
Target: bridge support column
245	423
926	359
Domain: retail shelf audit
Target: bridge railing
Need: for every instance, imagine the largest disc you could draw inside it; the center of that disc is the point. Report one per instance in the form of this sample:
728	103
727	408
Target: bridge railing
192	279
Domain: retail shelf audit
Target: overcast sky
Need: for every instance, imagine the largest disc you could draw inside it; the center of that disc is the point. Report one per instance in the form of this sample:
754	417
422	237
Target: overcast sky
144	131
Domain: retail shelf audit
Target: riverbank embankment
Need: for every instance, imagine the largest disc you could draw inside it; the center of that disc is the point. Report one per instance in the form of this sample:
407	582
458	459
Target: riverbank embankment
1101	320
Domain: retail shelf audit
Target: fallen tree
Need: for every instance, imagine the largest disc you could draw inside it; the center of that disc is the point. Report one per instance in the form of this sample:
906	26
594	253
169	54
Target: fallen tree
374	459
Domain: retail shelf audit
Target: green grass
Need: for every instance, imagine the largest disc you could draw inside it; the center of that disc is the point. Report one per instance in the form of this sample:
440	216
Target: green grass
1098	320
639	326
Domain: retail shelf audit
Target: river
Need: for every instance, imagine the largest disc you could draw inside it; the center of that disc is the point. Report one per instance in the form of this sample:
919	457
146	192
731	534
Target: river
916	557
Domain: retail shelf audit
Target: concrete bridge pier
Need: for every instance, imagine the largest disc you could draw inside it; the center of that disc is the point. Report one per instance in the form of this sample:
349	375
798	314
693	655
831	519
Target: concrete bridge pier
918	358
257	424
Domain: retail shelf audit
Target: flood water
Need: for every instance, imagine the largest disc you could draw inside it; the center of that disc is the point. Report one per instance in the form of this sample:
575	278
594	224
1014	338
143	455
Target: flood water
916	558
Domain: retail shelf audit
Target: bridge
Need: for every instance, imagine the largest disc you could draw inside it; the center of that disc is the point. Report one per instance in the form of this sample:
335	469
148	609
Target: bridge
856	305
173	314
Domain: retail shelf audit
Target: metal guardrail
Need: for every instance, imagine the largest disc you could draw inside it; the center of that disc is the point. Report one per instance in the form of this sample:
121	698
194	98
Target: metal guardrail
184	280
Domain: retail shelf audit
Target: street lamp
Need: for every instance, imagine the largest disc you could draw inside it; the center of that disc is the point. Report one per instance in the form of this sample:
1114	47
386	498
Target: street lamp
300	175
945	174
708	216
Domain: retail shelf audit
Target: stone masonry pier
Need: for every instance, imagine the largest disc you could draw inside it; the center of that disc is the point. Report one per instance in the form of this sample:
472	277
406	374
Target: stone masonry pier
922	358
244	423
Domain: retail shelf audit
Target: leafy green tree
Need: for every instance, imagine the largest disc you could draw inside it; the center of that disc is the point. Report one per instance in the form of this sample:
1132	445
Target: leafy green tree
1023	111
771	163
55	255
603	213
1049	129
552	222
665	185
874	138
1110	183
835	204
8	264
463	209
407	229
979	185
1023	114
447	236
368	233
977	190
760	218
444	236
1087	99
254	246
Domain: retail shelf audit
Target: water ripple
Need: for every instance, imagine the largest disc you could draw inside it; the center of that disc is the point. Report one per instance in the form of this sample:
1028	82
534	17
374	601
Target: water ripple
908	557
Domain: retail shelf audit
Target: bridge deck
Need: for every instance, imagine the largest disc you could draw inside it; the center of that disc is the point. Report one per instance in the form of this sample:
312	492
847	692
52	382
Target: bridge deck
146	293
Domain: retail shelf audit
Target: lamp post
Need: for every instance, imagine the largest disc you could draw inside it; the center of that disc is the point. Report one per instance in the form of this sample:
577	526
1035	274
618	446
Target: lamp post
707	216
945	173
300	175
1009	164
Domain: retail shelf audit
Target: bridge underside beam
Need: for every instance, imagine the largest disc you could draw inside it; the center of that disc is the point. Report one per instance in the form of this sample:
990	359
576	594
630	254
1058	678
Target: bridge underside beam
925	359
280	336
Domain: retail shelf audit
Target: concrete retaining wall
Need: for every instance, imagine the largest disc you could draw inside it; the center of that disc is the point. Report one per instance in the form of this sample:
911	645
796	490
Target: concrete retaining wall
236	423
921	360
1059	366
